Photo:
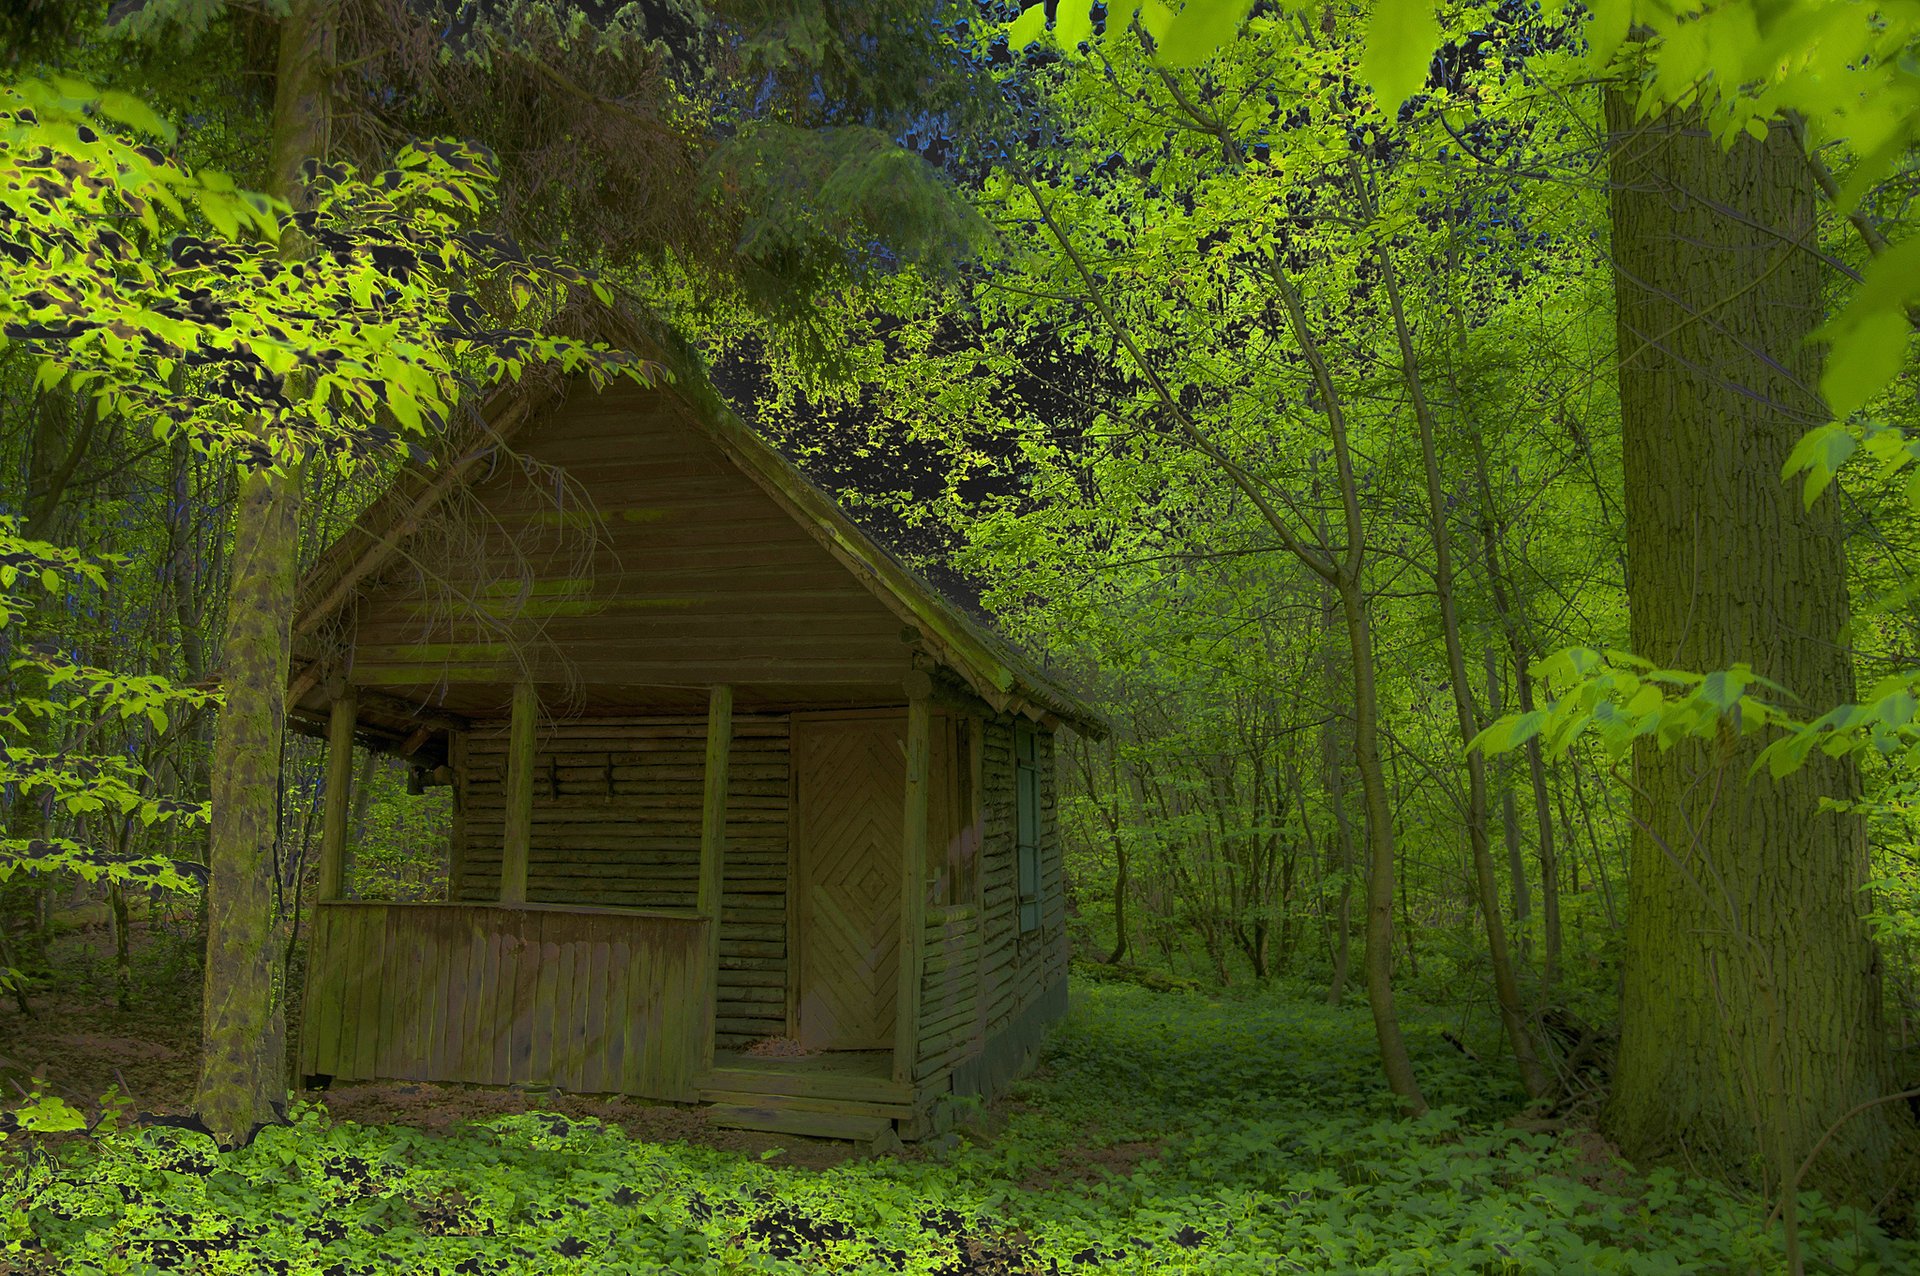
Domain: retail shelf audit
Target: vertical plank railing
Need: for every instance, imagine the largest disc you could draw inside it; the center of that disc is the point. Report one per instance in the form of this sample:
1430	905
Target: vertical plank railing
713	854
589	1000
517	839
913	875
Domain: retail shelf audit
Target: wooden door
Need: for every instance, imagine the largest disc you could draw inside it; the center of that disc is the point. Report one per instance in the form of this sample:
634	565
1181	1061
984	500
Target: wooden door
850	780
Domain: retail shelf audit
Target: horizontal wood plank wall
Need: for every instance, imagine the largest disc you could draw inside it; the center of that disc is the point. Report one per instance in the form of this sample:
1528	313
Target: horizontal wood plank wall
616	822
591	1001
659	564
949	990
999	875
1044	954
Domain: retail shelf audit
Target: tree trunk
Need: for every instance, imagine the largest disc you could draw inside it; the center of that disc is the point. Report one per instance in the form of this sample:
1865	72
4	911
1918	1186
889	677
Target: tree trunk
1506	988
1513	621
1340	837
243	1076
1509	819
1751	1006
1381	851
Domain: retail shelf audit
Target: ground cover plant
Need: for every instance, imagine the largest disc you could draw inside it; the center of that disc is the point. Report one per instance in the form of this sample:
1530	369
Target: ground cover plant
1165	1132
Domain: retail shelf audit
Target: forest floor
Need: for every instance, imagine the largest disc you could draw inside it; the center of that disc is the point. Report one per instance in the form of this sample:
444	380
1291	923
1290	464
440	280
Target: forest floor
1164	1132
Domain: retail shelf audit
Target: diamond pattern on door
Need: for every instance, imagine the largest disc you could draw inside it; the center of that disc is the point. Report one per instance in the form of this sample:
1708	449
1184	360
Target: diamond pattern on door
851	782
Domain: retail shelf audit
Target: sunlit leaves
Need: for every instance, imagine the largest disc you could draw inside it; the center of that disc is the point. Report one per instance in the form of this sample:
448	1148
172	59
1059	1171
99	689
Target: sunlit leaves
1028	27
1185	35
1401	38
1819	454
1870	336
279	358
1072	23
1620	699
1199	29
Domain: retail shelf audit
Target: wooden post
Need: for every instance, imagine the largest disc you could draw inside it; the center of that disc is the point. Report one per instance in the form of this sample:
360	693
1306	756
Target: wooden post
517	841
713	852
913	876
333	827
457	835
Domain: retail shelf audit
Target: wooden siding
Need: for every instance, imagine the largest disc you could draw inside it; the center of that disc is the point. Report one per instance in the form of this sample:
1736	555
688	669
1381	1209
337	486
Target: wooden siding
616	822
656	564
591	1001
1017	970
949	990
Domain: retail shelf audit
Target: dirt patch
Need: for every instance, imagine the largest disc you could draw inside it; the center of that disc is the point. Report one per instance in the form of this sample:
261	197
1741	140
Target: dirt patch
1090	1163
80	1044
1598	1163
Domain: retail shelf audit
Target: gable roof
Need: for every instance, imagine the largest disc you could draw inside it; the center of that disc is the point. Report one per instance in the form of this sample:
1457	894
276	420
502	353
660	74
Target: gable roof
976	656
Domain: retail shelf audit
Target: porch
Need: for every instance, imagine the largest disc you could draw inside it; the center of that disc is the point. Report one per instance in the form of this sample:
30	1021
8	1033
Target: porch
651	998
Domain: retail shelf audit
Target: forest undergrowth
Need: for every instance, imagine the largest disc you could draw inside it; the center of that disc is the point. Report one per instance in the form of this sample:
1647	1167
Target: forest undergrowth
1164	1132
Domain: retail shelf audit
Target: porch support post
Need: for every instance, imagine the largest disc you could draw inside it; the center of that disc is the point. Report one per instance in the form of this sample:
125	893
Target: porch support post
913	876
333	825
517	841
713	853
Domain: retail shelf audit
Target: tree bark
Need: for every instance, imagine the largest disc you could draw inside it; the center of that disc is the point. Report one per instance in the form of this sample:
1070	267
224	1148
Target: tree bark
1751	1007
243	1075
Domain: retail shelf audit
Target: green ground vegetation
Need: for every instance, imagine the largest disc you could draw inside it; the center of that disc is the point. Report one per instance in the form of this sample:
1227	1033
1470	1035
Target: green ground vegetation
1165	1132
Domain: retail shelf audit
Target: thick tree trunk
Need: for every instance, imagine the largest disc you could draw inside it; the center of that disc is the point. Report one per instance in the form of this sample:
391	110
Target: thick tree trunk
243	1076
243	1070
1751	1010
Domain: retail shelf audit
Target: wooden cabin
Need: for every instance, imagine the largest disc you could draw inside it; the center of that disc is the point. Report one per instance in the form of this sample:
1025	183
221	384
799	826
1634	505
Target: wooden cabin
744	812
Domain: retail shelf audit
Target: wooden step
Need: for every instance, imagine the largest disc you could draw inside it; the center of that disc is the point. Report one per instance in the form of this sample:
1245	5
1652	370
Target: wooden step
813	1085
778	1118
859	1107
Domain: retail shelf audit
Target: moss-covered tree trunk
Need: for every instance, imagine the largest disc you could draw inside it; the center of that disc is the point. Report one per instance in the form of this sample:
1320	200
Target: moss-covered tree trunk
243	1026
1751	1015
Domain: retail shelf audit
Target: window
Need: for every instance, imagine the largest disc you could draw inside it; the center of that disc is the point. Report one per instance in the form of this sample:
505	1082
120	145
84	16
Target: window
1026	802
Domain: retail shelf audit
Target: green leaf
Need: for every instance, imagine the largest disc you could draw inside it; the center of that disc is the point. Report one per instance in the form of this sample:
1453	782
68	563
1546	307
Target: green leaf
1866	355
1199	29
1027	28
1401	38
124	108
1072	24
49	1114
1820	452
1607	30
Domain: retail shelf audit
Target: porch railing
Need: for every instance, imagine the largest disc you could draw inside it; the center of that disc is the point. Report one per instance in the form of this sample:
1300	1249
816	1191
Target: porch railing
590	1000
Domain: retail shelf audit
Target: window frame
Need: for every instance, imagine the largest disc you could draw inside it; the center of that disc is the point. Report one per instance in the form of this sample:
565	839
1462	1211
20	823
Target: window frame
1028	891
